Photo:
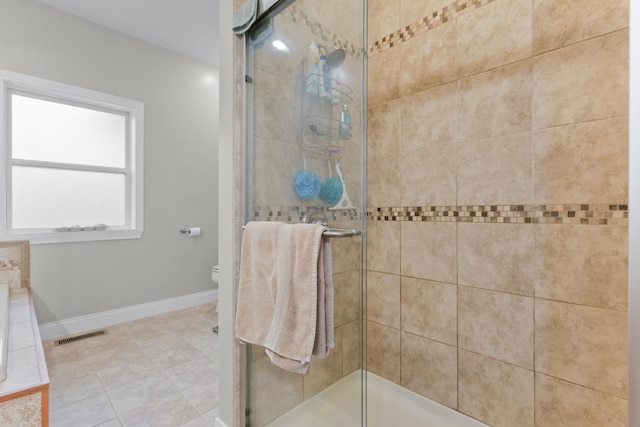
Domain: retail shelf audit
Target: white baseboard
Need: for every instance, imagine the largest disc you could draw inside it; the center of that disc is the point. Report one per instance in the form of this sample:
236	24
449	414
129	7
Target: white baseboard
76	325
218	423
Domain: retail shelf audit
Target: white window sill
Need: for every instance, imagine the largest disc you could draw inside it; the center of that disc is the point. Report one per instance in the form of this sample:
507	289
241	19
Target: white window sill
43	237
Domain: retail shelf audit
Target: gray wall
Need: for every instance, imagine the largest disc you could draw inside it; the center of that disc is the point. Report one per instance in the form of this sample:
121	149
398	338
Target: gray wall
181	136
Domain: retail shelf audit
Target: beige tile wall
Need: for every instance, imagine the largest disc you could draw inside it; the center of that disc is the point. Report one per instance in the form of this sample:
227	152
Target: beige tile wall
14	264
474	105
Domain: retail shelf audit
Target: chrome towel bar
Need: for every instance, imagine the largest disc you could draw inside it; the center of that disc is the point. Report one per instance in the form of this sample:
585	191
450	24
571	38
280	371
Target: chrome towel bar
340	232
337	232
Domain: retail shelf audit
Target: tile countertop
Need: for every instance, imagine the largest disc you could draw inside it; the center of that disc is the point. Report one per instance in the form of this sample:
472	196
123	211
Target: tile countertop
26	368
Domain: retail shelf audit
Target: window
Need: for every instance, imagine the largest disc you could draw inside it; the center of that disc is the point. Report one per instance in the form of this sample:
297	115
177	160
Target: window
71	163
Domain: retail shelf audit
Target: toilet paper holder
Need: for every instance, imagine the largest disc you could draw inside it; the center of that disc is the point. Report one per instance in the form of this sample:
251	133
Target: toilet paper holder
191	231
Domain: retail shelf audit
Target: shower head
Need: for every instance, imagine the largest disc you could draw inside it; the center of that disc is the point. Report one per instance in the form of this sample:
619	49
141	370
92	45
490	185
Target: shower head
335	58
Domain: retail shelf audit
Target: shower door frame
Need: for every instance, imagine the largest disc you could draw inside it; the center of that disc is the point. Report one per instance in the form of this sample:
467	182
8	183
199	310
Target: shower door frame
272	10
634	216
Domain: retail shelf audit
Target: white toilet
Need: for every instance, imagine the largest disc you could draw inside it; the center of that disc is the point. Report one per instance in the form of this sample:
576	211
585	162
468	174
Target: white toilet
214	274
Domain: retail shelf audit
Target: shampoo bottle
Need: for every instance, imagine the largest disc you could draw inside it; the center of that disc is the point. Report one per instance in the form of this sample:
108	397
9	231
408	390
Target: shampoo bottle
326	79
321	72
313	70
345	123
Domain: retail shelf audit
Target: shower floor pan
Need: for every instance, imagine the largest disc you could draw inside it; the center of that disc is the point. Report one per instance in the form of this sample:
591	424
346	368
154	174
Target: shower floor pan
388	404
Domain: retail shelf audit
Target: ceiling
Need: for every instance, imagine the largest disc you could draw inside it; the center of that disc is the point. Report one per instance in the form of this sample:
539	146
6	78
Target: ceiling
187	27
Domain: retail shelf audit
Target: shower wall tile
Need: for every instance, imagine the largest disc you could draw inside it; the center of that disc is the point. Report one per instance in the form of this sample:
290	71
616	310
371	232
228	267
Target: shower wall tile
497	325
428	118
428	176
269	60
478	47
276	165
346	287
495	171
561	23
583	82
495	103
274	96
412	11
384	128
429	250
565	159
324	371
383	246
582	265
384	77
383	18
383	299
384	185
383	351
346	253
494	392
267	377
560	403
430	368
495	257
343	18
428	60
535	131
582	345
351	339
429	309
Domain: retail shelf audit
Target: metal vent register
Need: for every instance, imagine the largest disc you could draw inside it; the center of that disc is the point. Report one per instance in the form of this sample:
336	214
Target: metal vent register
80	337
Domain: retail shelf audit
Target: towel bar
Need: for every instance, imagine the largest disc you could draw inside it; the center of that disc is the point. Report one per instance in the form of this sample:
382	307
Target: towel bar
337	232
340	232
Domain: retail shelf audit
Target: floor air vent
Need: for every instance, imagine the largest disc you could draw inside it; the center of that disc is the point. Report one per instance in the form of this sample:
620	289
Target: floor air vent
80	337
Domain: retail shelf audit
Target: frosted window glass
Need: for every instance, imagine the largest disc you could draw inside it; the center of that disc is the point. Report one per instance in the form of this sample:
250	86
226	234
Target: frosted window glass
49	198
50	131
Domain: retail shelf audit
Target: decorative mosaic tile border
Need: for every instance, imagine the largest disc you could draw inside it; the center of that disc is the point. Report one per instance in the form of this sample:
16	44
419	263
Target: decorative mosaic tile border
429	22
585	214
319	30
295	214
10	265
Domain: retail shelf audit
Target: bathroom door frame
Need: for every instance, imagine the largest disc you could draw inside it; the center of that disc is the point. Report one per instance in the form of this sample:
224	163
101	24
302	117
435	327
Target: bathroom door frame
634	214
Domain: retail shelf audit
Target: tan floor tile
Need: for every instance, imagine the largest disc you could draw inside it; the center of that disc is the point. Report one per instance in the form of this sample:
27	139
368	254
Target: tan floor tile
182	340
182	376
72	386
87	412
204	395
171	411
141	392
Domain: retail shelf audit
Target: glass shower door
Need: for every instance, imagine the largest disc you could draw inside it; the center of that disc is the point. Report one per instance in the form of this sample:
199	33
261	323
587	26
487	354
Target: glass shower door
305	163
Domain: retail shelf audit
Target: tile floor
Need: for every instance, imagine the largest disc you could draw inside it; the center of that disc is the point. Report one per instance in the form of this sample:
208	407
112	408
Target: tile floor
159	371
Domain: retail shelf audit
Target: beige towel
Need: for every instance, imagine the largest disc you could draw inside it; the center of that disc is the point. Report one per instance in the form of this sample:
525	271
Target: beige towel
324	331
285	296
257	288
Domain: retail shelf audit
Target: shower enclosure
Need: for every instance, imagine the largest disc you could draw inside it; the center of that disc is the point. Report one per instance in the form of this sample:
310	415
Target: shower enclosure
305	137
488	285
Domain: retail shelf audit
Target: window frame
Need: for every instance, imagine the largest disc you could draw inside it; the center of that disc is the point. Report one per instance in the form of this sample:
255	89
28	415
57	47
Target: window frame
23	85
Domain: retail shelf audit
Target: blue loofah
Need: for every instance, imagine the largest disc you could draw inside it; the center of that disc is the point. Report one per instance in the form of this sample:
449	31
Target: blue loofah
306	184
331	190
